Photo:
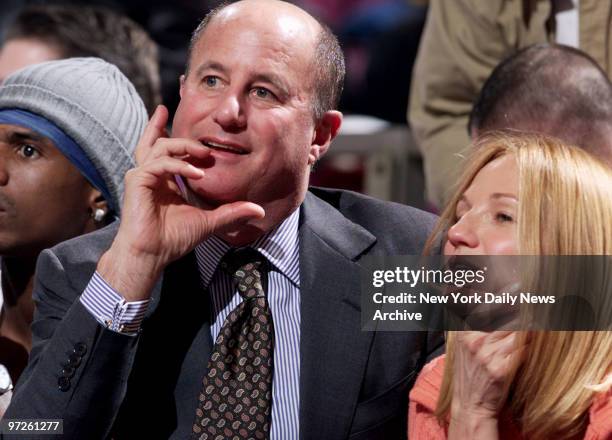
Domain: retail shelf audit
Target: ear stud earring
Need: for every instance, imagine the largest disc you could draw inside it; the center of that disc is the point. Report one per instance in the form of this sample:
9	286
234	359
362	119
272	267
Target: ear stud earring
98	215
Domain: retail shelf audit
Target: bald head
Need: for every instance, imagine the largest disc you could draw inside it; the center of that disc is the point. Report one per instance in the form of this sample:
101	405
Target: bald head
295	26
277	13
550	89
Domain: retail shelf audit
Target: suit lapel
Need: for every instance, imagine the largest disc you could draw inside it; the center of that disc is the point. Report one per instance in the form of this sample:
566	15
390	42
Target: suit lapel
333	349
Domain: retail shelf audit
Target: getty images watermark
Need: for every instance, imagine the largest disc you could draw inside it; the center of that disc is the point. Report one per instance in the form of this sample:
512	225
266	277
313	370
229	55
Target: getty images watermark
407	293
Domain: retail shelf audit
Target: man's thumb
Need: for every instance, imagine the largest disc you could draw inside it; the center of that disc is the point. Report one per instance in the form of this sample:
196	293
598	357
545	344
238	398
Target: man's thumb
234	214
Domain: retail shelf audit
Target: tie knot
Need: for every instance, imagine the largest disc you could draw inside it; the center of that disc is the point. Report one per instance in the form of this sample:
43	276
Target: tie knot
248	269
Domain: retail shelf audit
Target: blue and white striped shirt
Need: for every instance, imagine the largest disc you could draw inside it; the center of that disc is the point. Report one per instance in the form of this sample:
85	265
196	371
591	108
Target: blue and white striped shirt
281	247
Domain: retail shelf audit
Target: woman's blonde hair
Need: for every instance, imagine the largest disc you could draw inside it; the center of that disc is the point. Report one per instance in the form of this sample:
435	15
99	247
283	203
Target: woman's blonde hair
565	208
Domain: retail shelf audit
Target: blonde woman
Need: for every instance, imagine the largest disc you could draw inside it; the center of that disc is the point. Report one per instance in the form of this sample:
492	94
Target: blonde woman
522	195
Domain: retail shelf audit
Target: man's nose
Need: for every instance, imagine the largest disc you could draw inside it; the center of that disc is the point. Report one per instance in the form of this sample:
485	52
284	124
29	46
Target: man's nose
463	233
229	113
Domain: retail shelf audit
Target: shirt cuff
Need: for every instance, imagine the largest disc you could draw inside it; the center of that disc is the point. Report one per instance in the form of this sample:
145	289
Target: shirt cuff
110	308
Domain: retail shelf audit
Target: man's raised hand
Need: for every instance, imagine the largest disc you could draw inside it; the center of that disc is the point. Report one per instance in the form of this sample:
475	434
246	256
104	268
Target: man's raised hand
157	225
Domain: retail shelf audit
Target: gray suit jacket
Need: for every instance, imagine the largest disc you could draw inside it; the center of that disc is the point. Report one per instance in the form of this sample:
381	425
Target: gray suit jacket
353	384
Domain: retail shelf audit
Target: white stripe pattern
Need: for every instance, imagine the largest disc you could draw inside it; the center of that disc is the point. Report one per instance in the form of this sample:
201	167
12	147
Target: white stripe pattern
280	246
111	309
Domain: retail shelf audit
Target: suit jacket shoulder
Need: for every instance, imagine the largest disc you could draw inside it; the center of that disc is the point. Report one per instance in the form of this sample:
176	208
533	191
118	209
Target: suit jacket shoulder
354	384
399	229
78	258
65	339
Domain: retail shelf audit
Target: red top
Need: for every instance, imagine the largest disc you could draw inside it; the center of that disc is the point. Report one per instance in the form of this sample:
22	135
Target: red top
423	424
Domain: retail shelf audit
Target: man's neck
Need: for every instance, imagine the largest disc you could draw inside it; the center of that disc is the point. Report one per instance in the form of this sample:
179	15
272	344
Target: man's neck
18	307
17	284
276	213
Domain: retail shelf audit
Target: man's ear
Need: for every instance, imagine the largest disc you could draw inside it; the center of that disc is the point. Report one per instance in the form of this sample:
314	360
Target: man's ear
98	208
181	85
325	131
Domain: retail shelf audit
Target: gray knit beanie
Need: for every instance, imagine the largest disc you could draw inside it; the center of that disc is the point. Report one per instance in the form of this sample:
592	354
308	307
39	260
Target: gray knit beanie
93	103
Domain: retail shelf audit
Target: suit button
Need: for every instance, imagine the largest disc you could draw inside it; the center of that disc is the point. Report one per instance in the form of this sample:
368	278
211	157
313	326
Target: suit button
63	383
67	372
80	349
74	360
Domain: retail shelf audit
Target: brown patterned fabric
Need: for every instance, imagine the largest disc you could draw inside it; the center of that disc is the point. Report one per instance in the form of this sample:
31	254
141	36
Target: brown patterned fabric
236	397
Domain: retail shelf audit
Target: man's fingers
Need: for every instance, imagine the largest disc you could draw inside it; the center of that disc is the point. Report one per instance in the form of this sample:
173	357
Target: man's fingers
155	129
233	214
178	147
150	174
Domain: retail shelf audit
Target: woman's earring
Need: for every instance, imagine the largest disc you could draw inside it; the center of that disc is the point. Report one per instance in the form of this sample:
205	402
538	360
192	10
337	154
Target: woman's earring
98	215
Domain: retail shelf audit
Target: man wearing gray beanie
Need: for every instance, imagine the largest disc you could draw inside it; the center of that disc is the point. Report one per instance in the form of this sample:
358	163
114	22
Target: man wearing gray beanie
68	130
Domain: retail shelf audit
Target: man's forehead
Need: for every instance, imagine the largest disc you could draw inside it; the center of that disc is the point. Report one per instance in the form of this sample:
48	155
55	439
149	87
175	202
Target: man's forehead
18	133
271	17
267	11
9	129
281	45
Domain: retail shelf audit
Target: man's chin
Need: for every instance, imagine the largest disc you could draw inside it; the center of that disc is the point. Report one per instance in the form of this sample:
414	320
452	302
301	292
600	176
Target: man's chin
8	245
209	195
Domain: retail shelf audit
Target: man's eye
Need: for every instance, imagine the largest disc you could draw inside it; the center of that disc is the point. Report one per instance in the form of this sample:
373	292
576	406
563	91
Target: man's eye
211	81
28	151
262	93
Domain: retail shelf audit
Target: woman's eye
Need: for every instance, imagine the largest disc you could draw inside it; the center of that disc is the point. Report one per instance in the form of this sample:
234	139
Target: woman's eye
28	151
504	218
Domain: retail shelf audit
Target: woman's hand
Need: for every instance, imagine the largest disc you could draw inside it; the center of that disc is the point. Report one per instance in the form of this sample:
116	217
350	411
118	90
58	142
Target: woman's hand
482	366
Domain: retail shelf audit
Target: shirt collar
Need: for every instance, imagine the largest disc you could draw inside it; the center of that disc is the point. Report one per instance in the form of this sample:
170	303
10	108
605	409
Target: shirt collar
280	246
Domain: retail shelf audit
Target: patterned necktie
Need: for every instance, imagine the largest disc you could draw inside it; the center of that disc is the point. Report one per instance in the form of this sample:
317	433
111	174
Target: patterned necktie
236	397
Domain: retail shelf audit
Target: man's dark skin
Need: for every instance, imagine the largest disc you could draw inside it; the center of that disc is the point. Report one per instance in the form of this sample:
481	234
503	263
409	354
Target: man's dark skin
44	200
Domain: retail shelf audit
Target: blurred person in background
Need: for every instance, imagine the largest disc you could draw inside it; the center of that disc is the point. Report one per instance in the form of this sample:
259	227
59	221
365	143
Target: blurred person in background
550	89
462	42
67	132
522	195
45	32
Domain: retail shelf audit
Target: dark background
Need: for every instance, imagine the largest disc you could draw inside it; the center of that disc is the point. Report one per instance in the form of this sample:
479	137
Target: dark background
379	37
